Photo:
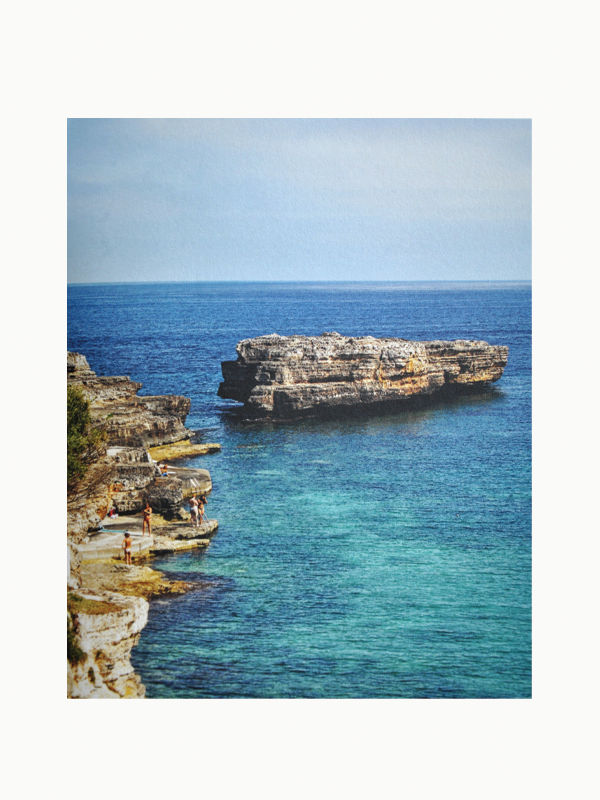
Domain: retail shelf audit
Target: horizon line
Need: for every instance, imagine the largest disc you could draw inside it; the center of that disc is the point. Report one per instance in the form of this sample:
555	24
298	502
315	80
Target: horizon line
432	280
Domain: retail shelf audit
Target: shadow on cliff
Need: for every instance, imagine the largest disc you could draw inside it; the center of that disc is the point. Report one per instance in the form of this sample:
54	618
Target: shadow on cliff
411	412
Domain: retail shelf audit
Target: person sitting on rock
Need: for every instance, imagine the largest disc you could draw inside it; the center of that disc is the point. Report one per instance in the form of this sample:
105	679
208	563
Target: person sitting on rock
163	470
146	520
127	548
194	511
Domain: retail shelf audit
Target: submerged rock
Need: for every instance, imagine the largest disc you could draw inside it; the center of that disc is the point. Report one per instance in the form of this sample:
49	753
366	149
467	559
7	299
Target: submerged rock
285	377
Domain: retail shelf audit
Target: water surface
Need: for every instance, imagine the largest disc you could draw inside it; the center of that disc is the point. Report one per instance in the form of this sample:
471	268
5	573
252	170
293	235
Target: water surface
377	557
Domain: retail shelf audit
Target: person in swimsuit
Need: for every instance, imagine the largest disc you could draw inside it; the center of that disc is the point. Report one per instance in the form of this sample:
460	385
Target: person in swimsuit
163	471
127	547
201	505
146	520
194	511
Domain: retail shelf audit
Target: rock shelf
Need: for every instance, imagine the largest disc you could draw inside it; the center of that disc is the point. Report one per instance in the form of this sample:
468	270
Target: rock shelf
183	449
165	538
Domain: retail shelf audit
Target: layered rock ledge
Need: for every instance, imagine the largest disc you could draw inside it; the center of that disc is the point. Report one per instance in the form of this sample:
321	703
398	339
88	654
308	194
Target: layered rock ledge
108	601
129	420
126	475
183	449
286	377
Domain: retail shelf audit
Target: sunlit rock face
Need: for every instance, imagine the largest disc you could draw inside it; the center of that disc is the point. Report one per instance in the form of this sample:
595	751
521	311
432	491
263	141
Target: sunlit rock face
105	614
106	640
129	420
285	377
123	470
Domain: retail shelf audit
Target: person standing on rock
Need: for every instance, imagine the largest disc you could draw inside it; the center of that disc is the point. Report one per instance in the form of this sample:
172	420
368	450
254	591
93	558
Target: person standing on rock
146	520
194	511
127	548
201	505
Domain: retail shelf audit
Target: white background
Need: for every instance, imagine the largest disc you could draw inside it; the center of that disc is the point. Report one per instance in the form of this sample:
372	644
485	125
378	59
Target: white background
253	59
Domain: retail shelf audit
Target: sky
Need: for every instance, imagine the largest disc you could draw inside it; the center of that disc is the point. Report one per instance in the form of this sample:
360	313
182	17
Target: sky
298	199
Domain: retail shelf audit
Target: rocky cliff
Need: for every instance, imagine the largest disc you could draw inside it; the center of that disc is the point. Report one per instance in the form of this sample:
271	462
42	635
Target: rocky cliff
129	420
105	626
108	606
285	377
125	475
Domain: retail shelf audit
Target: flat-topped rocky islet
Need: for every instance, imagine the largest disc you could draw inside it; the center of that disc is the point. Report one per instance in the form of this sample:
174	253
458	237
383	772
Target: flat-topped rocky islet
290	377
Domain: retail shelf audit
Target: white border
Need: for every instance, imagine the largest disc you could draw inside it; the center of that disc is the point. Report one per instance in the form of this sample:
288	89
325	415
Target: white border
463	59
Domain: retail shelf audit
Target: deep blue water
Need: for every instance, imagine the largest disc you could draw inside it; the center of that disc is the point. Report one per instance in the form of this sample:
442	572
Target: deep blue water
380	557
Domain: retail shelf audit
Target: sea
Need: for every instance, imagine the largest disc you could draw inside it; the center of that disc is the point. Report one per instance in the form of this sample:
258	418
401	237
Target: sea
384	556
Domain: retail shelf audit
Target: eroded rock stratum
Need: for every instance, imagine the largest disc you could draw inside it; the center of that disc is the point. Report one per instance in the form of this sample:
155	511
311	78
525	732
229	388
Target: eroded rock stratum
285	377
128	419
107	601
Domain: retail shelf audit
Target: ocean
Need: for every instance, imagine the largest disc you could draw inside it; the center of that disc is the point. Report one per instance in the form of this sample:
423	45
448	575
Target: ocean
363	557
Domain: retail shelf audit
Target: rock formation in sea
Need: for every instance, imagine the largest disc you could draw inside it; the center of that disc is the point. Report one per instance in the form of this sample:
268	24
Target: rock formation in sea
107	601
286	377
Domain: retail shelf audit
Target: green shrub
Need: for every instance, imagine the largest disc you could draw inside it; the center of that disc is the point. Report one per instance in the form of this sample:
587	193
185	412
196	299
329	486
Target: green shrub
83	439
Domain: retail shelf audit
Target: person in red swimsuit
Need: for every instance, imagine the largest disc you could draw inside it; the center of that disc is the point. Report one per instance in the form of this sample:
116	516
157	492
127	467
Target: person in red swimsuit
146	520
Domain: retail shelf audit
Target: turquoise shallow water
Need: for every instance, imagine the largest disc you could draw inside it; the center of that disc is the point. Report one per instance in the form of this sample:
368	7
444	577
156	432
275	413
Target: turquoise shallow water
378	557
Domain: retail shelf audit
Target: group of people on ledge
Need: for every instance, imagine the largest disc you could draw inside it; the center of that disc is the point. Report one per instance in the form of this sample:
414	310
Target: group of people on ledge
197	506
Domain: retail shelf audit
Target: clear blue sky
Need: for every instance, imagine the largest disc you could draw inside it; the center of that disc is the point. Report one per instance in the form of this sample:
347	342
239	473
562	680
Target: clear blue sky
298	199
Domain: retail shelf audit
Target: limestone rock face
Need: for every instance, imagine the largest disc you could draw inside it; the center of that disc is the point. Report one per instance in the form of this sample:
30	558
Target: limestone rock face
125	473
122	475
285	377
184	449
165	496
129	420
107	640
133	472
89	501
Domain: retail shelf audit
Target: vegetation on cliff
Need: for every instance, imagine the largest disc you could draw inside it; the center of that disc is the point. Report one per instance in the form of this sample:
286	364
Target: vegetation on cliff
74	652
84	441
87	605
